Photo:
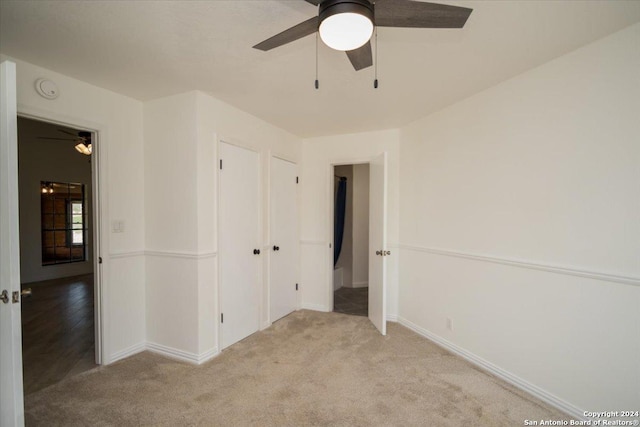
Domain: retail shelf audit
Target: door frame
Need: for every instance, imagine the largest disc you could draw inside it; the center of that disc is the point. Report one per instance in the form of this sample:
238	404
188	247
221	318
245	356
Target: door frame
330	214
260	238
98	166
269	245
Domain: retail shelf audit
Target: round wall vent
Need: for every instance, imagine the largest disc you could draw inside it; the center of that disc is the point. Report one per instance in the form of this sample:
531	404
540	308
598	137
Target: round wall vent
47	88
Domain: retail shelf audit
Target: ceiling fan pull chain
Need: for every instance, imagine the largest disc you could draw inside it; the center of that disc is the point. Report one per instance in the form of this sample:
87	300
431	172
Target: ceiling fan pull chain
317	82
375	81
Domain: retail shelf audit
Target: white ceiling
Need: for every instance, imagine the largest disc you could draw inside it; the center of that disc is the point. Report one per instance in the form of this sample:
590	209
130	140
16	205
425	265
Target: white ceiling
150	49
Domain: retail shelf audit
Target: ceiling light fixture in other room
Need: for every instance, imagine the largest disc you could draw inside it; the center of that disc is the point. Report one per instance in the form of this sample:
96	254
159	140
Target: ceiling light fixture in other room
346	24
84	148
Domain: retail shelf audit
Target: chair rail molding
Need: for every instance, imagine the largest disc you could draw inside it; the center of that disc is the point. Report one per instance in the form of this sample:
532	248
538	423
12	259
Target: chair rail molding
181	254
558	269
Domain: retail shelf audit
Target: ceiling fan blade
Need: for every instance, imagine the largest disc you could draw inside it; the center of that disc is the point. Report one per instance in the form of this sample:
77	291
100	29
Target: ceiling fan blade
299	31
58	139
313	2
361	57
415	14
68	133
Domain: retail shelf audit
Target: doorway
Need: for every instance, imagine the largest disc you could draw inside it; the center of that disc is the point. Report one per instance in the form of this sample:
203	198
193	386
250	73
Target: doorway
377	247
351	239
57	239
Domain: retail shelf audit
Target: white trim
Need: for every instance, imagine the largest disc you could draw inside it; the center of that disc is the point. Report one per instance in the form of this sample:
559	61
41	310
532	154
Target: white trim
184	356
392	317
360	285
207	355
571	271
11	382
532	389
283	157
265	325
131	254
315	307
313	242
129	351
181	254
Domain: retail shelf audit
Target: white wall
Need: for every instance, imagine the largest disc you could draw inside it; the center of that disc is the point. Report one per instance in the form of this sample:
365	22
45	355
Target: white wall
520	222
360	226
345	260
171	225
118	120
54	161
316	219
181	137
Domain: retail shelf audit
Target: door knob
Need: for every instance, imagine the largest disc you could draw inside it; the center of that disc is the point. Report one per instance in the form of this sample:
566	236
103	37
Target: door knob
256	251
4	297
276	248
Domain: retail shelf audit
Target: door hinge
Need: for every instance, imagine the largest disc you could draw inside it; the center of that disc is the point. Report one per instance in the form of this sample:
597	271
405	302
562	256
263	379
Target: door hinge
99	260
220	164
296	286
297	180
221	317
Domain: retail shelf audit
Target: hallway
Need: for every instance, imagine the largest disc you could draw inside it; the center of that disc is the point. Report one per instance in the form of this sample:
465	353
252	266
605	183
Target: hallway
354	301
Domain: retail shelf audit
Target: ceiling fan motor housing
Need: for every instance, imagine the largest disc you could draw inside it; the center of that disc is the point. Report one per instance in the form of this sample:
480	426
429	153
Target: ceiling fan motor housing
332	7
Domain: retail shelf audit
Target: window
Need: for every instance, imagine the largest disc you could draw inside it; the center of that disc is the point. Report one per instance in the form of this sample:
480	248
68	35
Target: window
76	219
64	223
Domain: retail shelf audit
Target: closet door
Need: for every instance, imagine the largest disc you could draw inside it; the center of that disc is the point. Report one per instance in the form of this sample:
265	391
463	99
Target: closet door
284	238
238	243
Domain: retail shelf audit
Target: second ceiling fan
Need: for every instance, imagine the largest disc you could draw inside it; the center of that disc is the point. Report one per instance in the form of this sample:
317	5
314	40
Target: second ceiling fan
348	25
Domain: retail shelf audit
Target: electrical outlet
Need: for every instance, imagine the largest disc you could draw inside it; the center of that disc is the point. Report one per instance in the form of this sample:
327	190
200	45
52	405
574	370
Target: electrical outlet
449	324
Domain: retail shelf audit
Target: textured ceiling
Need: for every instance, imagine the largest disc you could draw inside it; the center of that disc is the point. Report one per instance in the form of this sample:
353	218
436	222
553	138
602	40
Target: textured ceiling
151	49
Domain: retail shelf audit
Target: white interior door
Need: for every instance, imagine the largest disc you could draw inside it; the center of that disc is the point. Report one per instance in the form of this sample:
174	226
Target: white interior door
239	238
284	238
11	393
378	242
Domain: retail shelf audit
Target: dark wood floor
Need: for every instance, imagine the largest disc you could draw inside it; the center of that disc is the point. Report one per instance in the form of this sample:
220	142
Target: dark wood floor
351	301
57	331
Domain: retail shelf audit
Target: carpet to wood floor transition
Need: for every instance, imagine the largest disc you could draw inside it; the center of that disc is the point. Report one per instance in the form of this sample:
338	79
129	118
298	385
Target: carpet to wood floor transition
309	368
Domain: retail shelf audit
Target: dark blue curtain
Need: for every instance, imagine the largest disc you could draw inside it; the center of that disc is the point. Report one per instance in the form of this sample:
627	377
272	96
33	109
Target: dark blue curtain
338	218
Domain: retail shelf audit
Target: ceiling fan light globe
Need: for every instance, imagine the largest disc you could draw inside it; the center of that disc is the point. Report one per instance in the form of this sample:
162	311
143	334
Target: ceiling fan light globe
82	148
346	31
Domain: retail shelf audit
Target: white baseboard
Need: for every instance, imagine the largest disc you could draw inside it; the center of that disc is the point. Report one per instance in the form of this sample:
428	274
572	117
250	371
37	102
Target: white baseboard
392	317
532	389
207	355
184	356
129	351
265	325
315	307
360	285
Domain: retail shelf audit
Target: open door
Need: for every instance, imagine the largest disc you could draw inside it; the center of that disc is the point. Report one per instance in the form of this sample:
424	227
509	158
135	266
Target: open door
11	393
378	242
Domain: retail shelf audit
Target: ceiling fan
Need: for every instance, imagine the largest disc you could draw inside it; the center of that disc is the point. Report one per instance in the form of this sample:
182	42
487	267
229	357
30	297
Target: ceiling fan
347	25
82	139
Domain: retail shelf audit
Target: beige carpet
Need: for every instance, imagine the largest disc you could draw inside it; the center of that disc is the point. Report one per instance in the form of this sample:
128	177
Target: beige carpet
309	368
